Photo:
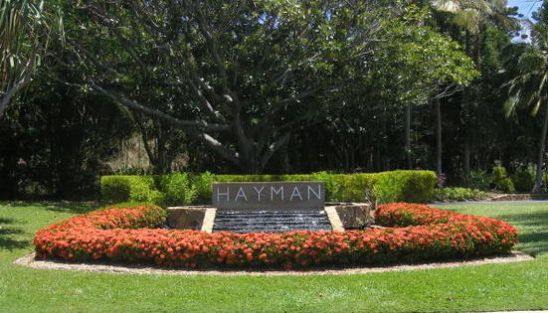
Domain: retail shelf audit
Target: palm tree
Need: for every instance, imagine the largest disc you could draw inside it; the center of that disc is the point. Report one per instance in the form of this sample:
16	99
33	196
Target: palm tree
24	34
529	88
472	16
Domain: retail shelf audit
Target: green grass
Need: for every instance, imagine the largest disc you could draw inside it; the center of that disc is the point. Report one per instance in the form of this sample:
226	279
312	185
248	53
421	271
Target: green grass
531	220
513	286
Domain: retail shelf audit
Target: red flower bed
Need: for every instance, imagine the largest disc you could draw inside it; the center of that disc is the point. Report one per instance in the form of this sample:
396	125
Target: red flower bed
422	233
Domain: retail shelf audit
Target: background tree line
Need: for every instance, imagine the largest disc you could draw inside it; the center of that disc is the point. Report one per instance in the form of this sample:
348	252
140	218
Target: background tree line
265	87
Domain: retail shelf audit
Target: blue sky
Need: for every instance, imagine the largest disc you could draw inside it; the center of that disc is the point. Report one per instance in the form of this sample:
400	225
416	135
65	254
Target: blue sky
526	7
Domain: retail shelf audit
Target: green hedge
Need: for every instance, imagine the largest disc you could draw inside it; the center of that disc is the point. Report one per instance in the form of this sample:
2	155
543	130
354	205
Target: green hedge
130	188
184	188
458	194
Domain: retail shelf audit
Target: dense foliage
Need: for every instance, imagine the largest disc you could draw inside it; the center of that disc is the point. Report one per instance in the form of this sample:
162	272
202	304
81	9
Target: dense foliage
458	194
414	233
273	87
25	28
183	188
56	143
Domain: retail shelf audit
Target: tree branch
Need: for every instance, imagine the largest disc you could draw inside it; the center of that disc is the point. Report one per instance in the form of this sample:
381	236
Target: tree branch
142	129
204	101
216	146
192	128
7	96
159	114
211	42
282	141
449	90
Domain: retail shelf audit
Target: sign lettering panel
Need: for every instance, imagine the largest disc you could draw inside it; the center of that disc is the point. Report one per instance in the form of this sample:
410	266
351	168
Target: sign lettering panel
271	195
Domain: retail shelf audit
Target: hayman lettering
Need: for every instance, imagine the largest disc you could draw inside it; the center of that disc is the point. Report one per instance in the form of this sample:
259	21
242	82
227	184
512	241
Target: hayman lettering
277	192
316	193
296	193
223	194
258	191
262	195
241	194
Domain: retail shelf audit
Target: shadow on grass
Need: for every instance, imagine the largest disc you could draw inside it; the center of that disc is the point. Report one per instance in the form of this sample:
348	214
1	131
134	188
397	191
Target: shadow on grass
534	230
11	244
56	206
4	220
71	207
534	243
10	231
7	230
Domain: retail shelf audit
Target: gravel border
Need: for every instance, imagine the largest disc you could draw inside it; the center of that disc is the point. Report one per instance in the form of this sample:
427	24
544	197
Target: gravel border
29	261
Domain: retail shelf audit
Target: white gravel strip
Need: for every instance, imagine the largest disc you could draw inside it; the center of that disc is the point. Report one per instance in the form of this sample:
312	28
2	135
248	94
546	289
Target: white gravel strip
29	261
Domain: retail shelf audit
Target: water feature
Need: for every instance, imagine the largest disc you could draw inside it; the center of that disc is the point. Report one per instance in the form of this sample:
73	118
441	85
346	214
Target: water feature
270	207
246	221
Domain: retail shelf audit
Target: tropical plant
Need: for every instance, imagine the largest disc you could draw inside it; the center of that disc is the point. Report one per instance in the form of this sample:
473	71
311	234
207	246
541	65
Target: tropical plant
529	88
472	17
25	29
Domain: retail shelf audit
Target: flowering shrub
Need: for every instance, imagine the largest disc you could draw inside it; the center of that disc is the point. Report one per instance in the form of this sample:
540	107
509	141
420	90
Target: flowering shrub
423	234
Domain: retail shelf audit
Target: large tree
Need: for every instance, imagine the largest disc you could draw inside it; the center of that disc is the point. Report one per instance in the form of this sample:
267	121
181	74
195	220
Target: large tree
414	67
25	29
529	88
472	19
242	76
239	76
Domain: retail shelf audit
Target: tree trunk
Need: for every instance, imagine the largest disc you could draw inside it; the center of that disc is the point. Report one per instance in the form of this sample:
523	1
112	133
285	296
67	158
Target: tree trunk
5	97
286	167
540	172
3	104
467	157
439	168
466	144
408	136
466	114
248	161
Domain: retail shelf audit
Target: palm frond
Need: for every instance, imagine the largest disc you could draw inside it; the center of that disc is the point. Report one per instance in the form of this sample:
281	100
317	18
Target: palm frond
470	13
24	33
510	105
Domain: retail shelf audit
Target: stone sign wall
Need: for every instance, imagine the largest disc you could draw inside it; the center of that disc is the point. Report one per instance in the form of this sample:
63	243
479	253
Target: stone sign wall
271	195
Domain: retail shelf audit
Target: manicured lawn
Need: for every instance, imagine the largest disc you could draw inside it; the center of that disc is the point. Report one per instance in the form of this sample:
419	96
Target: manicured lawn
481	288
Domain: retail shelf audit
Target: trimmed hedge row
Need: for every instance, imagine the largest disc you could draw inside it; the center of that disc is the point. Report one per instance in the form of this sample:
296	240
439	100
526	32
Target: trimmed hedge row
426	234
458	194
184	188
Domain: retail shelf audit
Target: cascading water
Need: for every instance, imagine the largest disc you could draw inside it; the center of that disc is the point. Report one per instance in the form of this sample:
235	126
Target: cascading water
246	221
